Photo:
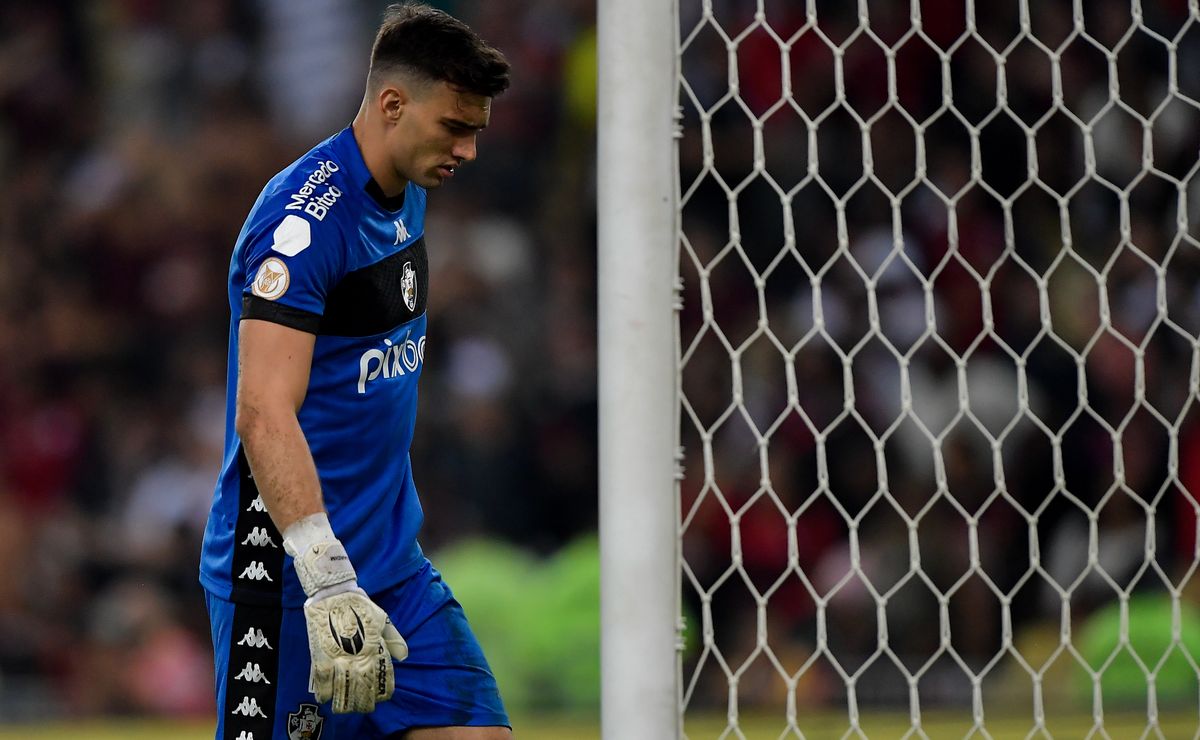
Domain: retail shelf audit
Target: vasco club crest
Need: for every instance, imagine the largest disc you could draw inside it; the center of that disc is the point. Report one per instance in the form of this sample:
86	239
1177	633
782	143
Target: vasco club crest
305	724
408	286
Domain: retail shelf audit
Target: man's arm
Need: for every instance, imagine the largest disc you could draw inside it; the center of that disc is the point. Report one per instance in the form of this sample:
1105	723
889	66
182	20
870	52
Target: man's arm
350	639
273	366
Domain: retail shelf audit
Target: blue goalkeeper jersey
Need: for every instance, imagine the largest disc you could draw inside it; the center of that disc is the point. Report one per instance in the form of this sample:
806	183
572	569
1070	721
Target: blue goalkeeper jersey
326	252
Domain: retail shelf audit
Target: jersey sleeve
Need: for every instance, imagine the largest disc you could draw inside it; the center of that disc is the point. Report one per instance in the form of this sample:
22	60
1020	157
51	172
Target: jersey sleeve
290	267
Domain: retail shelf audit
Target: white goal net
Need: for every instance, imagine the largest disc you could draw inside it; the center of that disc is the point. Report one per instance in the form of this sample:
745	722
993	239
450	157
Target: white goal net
939	300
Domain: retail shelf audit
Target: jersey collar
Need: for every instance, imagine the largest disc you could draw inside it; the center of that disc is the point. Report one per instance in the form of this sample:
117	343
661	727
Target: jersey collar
346	147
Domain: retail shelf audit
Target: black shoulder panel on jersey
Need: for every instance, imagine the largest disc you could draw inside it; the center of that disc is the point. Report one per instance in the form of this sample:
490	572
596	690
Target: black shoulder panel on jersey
254	307
379	297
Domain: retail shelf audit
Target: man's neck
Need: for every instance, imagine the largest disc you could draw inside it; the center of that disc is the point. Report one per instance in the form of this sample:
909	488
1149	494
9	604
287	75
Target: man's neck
370	145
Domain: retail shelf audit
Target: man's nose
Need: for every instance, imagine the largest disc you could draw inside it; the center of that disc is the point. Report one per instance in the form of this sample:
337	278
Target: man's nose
464	149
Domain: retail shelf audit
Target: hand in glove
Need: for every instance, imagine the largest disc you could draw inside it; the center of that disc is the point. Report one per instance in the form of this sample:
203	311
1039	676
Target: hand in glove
350	639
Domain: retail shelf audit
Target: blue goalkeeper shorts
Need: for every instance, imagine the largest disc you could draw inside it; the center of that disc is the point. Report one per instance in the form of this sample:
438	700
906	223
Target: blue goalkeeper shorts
262	667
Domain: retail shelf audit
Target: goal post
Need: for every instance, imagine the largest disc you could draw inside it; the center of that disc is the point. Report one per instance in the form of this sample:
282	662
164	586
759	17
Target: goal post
899	327
637	378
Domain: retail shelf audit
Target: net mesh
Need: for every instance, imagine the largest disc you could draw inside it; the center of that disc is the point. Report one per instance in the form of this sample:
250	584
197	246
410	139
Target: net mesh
938	319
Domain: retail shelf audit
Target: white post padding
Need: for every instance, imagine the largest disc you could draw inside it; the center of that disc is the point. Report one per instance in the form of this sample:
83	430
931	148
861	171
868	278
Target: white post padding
638	407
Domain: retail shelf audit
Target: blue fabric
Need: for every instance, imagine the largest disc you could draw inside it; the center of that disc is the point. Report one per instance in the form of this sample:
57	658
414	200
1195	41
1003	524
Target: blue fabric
445	682
315	224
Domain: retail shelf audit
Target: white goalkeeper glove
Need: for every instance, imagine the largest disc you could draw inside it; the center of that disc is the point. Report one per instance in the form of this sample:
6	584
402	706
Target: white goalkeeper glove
351	640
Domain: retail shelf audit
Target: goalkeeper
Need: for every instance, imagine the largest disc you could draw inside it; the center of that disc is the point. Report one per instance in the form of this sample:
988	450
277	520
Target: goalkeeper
316	586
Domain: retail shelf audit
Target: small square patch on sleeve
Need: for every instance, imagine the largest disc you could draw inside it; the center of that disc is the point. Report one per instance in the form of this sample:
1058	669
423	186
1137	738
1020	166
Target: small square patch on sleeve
292	236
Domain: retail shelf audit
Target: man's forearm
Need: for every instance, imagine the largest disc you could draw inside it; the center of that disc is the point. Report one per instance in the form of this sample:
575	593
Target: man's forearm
282	465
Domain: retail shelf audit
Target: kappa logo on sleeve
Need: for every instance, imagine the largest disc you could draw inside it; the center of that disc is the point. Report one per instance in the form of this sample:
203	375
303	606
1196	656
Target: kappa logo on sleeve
272	279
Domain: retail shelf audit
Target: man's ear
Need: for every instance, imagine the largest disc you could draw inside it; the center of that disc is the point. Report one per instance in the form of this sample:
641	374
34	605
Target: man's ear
392	101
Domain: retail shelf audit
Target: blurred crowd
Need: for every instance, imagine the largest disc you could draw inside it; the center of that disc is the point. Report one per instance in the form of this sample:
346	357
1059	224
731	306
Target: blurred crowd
134	137
933	369
855	312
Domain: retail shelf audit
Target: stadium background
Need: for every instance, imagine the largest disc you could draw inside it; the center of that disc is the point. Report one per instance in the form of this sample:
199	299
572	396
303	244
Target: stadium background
135	135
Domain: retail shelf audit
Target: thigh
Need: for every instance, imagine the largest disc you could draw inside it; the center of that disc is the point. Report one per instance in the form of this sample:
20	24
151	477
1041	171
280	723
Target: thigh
261	660
445	681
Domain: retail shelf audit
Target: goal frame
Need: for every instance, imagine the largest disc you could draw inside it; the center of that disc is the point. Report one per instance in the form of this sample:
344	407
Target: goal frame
641	399
637	186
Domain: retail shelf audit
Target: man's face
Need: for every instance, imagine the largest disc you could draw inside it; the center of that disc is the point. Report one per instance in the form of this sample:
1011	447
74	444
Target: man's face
436	133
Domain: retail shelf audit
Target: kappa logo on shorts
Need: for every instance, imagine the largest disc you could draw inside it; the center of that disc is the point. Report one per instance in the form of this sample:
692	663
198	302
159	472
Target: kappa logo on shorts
255	639
249	708
245	735
257	504
305	723
259	537
253	673
256	571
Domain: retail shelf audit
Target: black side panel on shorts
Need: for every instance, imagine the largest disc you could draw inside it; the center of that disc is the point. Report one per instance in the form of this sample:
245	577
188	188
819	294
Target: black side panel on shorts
253	672
379	297
257	574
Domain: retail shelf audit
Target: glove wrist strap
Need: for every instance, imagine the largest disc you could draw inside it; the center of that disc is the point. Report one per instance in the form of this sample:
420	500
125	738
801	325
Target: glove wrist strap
318	556
334	590
306	532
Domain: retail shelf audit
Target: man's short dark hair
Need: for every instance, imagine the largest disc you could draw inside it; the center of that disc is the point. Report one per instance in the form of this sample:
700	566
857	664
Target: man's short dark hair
432	44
